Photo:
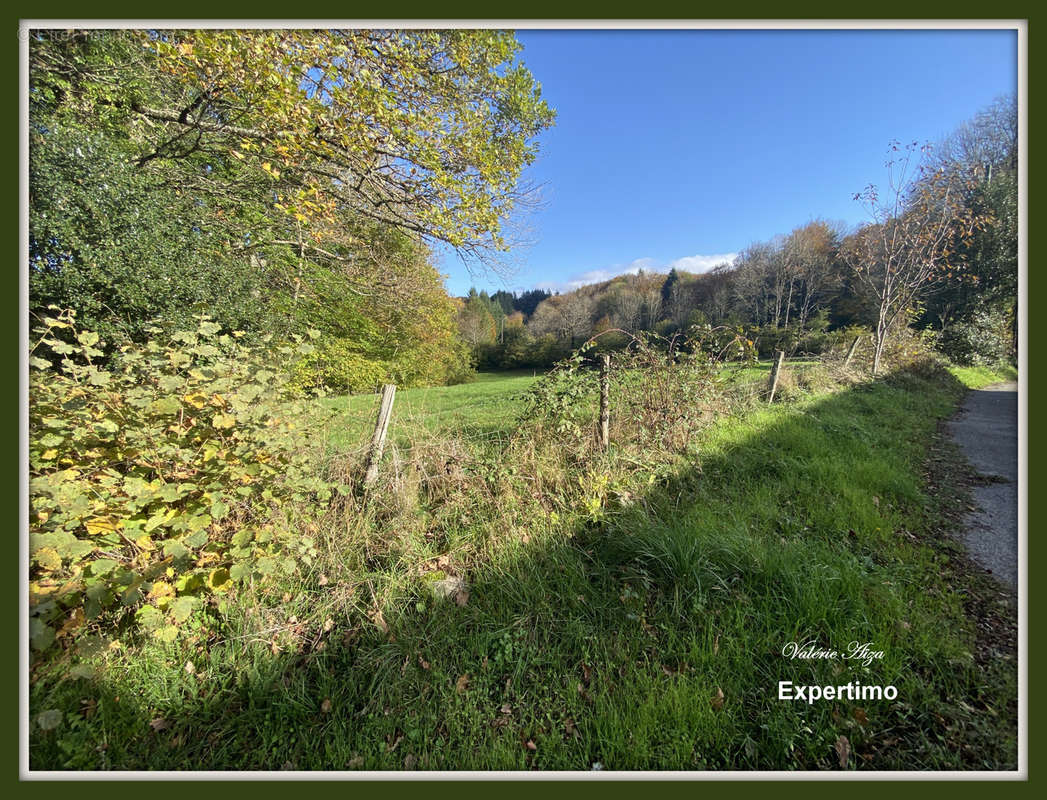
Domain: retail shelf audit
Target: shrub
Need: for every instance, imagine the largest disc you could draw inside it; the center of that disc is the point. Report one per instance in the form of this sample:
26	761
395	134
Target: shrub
336	366
158	482
982	340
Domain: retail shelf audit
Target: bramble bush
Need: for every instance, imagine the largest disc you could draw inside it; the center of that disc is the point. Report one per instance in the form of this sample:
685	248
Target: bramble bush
159	477
661	388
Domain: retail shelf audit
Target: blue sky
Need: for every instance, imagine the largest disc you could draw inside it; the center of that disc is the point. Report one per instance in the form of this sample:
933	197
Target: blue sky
682	147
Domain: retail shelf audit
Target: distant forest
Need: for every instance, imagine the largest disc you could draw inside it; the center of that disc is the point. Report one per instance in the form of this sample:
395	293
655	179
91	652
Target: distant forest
940	251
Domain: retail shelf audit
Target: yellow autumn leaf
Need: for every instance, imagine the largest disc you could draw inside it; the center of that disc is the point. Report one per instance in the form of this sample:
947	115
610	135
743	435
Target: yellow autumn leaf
37	590
196	399
99	525
48	558
160	591
224	420
48	455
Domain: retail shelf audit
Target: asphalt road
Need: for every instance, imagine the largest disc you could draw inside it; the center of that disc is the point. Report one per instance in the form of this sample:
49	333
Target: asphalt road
986	428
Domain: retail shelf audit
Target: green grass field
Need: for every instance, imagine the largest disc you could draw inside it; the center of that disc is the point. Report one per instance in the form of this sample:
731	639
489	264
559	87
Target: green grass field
484	407
648	637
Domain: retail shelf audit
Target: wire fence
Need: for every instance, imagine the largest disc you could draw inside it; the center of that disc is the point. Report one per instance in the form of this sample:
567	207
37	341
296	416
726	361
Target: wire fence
650	394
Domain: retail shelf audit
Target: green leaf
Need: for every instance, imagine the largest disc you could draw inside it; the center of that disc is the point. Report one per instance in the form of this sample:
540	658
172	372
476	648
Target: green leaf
50	719
166	634
182	608
103	566
194	540
171	382
149	617
41	635
166	406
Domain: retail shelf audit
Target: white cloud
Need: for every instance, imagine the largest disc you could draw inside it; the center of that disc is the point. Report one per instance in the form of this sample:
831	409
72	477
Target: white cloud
696	263
700	263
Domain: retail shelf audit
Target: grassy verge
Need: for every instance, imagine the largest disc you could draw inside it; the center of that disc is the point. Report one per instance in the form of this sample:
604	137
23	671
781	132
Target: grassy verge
634	622
977	377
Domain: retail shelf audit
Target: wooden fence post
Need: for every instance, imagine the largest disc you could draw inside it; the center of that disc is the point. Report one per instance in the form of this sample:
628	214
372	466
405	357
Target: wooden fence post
776	368
605	401
851	349
385	411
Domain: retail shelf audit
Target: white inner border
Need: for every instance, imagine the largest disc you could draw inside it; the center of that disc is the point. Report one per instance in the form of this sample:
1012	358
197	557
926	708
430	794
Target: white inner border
1018	25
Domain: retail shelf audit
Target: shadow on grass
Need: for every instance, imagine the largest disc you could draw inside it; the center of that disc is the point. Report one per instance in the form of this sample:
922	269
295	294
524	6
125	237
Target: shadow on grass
649	639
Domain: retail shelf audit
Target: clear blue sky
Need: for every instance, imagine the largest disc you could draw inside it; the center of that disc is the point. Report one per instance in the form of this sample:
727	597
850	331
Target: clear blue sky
675	144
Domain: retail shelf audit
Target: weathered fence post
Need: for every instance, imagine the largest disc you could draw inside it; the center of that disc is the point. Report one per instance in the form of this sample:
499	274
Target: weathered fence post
776	368
851	349
381	426
605	401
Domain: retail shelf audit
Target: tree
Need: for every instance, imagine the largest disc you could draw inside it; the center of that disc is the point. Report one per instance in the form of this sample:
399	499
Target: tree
475	322
810	251
124	246
425	131
569	317
913	241
984	151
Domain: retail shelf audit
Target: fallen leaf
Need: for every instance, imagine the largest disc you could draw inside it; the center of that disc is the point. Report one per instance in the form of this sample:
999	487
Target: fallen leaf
396	743
423	663
190	668
328	624
462	684
355	762
531	745
378	619
717	701
159	724
410	761
325	706
569	728
587	673
323	580
861	717
843	750
461	598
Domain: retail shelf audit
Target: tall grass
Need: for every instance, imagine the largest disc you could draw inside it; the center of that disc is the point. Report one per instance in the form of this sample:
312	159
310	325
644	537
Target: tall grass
525	601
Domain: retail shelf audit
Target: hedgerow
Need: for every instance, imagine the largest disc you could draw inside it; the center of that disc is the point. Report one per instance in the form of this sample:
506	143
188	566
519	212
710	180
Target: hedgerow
160	477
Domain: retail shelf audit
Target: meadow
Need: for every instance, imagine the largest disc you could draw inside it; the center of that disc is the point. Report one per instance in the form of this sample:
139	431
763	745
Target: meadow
628	612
